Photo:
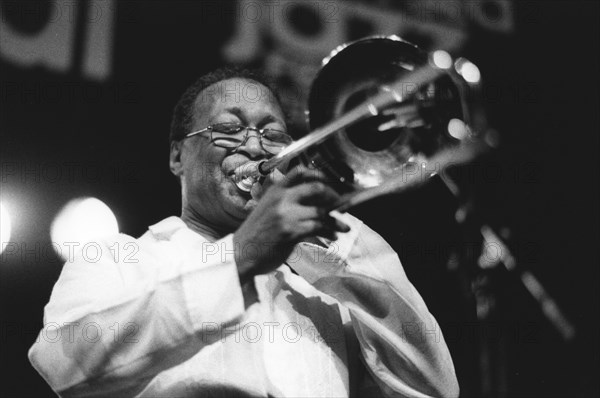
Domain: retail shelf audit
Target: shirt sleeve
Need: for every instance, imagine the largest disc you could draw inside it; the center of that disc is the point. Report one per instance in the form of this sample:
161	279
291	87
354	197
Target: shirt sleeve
123	311
400	341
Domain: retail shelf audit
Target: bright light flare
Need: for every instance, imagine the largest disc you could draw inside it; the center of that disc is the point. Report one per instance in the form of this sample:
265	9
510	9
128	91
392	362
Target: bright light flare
468	70
82	221
5	227
458	129
442	59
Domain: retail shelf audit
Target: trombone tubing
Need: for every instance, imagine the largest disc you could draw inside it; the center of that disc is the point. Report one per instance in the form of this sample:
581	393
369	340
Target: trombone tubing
396	92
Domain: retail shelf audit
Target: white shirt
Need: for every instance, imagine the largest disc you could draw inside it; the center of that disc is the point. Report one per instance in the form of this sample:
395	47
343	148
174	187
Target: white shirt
164	316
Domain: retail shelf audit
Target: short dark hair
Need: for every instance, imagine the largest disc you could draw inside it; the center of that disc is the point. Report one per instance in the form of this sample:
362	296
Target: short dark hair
183	114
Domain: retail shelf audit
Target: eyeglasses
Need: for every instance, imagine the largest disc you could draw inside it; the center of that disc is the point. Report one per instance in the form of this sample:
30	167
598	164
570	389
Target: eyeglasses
234	135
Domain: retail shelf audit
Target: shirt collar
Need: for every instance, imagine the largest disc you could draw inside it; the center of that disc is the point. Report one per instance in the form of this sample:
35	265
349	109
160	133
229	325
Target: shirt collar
163	230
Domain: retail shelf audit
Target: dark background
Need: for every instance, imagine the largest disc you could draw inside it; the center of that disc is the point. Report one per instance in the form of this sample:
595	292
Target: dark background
542	184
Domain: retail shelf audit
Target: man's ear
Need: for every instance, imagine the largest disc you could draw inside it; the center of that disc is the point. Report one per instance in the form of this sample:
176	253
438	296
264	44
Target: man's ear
175	158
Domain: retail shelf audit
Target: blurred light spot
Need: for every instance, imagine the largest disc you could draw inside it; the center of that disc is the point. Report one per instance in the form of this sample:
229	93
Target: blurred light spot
82	221
468	70
458	129
442	59
461	215
492	138
5	227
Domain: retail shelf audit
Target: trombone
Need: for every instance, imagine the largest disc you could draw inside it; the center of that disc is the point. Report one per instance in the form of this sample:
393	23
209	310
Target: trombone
386	116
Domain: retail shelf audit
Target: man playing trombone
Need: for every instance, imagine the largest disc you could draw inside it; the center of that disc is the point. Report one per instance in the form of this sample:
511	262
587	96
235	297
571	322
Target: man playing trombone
260	293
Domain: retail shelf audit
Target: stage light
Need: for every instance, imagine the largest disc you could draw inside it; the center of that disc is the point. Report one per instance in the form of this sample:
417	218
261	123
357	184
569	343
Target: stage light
442	59
5	227
80	222
458	129
468	70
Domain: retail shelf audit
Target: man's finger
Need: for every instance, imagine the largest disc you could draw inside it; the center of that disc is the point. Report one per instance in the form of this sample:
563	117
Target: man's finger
338	225
316	227
315	194
275	177
303	213
302	174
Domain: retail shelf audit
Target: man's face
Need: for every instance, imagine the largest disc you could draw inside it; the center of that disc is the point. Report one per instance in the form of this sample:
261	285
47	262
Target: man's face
209	191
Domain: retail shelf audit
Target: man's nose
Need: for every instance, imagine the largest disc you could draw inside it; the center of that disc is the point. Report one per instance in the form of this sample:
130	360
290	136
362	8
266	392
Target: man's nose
251	145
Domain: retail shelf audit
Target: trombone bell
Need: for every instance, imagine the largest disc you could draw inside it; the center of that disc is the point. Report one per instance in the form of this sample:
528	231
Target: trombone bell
377	149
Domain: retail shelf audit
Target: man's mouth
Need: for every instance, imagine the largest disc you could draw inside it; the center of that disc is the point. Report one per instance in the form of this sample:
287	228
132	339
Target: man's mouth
243	193
243	177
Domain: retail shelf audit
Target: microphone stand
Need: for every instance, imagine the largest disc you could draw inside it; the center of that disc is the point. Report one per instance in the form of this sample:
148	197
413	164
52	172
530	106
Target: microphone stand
484	263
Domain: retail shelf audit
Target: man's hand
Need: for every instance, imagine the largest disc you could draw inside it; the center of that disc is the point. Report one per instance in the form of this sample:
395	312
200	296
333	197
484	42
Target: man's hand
293	208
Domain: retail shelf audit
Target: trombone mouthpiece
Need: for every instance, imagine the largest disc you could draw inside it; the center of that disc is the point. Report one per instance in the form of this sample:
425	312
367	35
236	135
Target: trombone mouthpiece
247	175
246	184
